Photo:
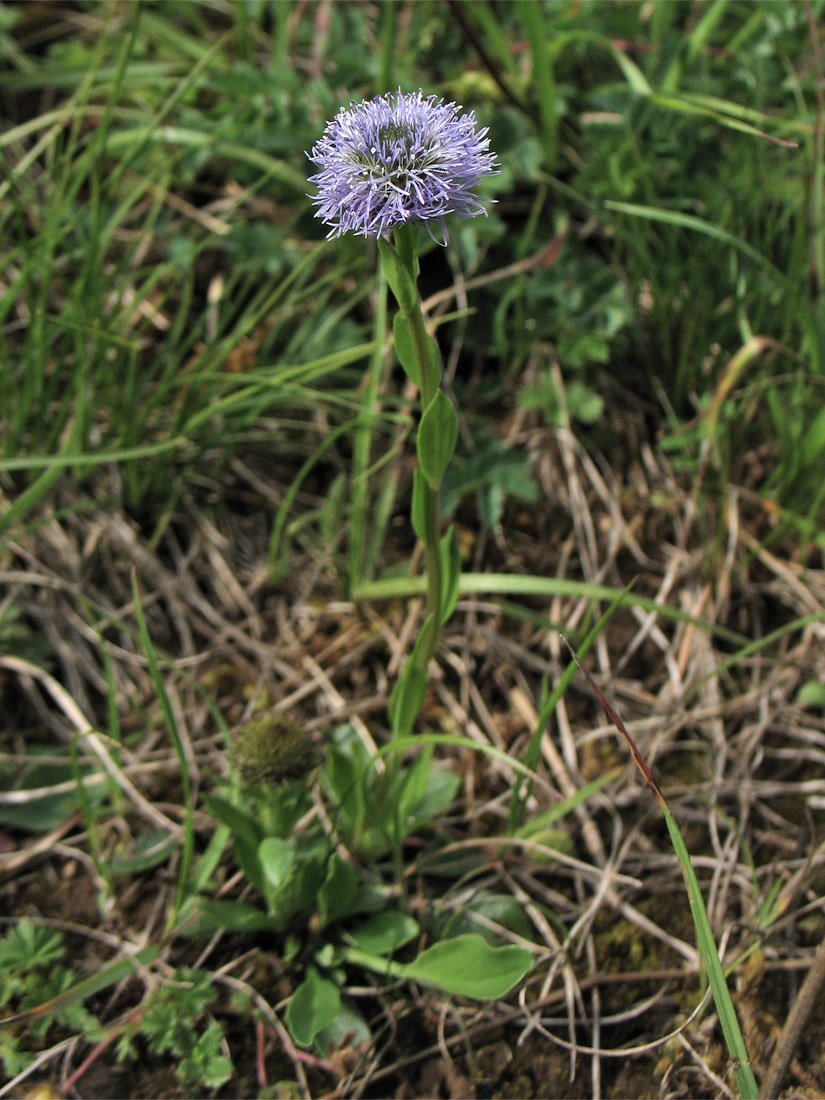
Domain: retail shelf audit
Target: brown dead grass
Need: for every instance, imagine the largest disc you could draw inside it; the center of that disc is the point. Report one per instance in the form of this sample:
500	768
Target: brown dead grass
615	1006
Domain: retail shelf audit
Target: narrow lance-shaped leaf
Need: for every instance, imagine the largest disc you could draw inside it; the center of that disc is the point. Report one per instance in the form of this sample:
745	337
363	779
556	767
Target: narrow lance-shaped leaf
418	513
408	695
405	350
400	280
704	934
450	572
437	436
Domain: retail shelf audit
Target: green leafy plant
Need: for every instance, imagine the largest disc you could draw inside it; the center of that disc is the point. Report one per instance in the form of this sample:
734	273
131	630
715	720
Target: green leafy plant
335	915
581	403
76	393
47	789
169	315
492	473
43	994
31	972
167	1022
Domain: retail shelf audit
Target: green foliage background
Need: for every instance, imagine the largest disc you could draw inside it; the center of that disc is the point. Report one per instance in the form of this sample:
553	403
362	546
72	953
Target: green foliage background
154	218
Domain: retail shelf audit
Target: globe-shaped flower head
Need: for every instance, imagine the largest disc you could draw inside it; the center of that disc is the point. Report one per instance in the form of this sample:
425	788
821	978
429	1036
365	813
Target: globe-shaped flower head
396	159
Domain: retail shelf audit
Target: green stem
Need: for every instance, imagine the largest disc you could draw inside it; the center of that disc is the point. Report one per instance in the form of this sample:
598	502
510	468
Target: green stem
430	383
437	433
710	957
356	956
433	558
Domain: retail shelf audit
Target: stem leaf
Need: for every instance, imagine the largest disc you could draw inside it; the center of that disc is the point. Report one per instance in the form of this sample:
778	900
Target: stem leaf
405	348
398	275
418	514
437	436
450	573
408	693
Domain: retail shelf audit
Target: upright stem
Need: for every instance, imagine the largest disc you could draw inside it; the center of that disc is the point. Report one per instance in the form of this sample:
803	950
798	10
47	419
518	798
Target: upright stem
437	433
430	383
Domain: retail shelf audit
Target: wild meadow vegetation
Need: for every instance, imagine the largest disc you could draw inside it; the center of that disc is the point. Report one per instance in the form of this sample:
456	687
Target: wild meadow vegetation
235	858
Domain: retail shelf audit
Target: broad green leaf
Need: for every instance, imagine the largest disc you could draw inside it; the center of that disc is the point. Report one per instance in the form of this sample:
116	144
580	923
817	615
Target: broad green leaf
493	472
414	787
469	967
246	836
344	775
277	857
811	694
337	890
441	790
293	881
347	1031
813	442
385	933
437	435
243	826
42	811
490	506
405	238
406	699
405	350
313	1006
502	909
231	916
370	898
147	851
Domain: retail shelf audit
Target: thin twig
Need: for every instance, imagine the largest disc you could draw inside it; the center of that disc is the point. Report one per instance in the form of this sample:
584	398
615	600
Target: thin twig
807	999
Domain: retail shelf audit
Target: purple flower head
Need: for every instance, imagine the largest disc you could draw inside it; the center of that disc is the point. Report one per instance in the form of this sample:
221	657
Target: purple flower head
396	159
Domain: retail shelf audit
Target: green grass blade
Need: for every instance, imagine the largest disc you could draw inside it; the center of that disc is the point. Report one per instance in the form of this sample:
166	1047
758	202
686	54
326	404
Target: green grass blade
76	461
530	14
30	498
362	441
109	976
523	585
710	957
704	933
183	762
274	549
521	789
695	224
